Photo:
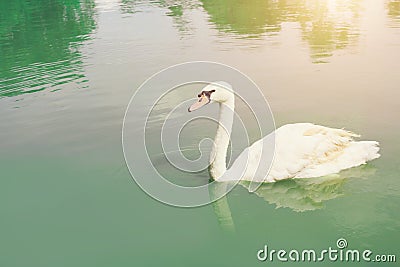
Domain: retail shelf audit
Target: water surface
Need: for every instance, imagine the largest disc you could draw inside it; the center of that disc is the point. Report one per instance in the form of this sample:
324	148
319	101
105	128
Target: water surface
69	67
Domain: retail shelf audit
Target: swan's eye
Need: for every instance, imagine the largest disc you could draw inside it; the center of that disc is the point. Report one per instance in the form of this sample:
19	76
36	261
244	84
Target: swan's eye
199	95
208	93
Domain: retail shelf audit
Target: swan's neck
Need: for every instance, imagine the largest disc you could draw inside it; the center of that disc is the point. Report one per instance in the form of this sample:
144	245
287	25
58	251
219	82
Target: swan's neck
221	140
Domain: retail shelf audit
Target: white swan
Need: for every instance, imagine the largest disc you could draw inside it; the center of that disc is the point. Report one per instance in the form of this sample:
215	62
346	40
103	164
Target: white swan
302	150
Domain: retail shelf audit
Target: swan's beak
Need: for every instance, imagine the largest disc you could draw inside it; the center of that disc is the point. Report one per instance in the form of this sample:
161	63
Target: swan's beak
203	100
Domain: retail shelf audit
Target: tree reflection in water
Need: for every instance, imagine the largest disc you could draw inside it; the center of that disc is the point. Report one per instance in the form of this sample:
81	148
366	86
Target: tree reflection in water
40	42
393	11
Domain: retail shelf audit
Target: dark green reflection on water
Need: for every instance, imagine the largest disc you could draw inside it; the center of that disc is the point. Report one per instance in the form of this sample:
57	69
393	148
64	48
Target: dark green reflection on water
39	42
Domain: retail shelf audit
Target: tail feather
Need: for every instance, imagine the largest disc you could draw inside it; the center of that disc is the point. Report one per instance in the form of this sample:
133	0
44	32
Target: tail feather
358	153
353	155
371	149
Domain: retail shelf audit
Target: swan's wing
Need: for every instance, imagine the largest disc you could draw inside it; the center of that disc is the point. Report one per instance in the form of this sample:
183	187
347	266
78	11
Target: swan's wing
298	147
302	146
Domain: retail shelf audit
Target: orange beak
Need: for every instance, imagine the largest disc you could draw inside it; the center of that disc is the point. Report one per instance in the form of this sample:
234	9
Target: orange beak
203	100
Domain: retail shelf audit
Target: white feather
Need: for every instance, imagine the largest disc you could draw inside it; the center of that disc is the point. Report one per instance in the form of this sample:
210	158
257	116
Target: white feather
302	150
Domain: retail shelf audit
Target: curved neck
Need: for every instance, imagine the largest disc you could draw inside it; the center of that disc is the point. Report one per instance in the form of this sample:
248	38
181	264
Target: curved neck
222	137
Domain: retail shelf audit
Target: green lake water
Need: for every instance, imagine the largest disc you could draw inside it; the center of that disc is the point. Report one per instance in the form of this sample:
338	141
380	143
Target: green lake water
68	69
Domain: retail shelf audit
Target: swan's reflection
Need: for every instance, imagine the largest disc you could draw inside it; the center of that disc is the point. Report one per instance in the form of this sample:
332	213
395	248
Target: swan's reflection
221	207
299	195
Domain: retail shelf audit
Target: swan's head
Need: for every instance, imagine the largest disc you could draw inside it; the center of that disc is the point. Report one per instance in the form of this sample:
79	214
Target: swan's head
220	92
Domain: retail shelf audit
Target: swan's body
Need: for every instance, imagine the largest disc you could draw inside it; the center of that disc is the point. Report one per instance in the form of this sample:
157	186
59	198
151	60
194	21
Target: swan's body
305	150
302	150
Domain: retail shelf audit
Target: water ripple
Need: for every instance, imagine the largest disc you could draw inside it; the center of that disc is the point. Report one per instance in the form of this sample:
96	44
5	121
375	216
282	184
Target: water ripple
40	43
